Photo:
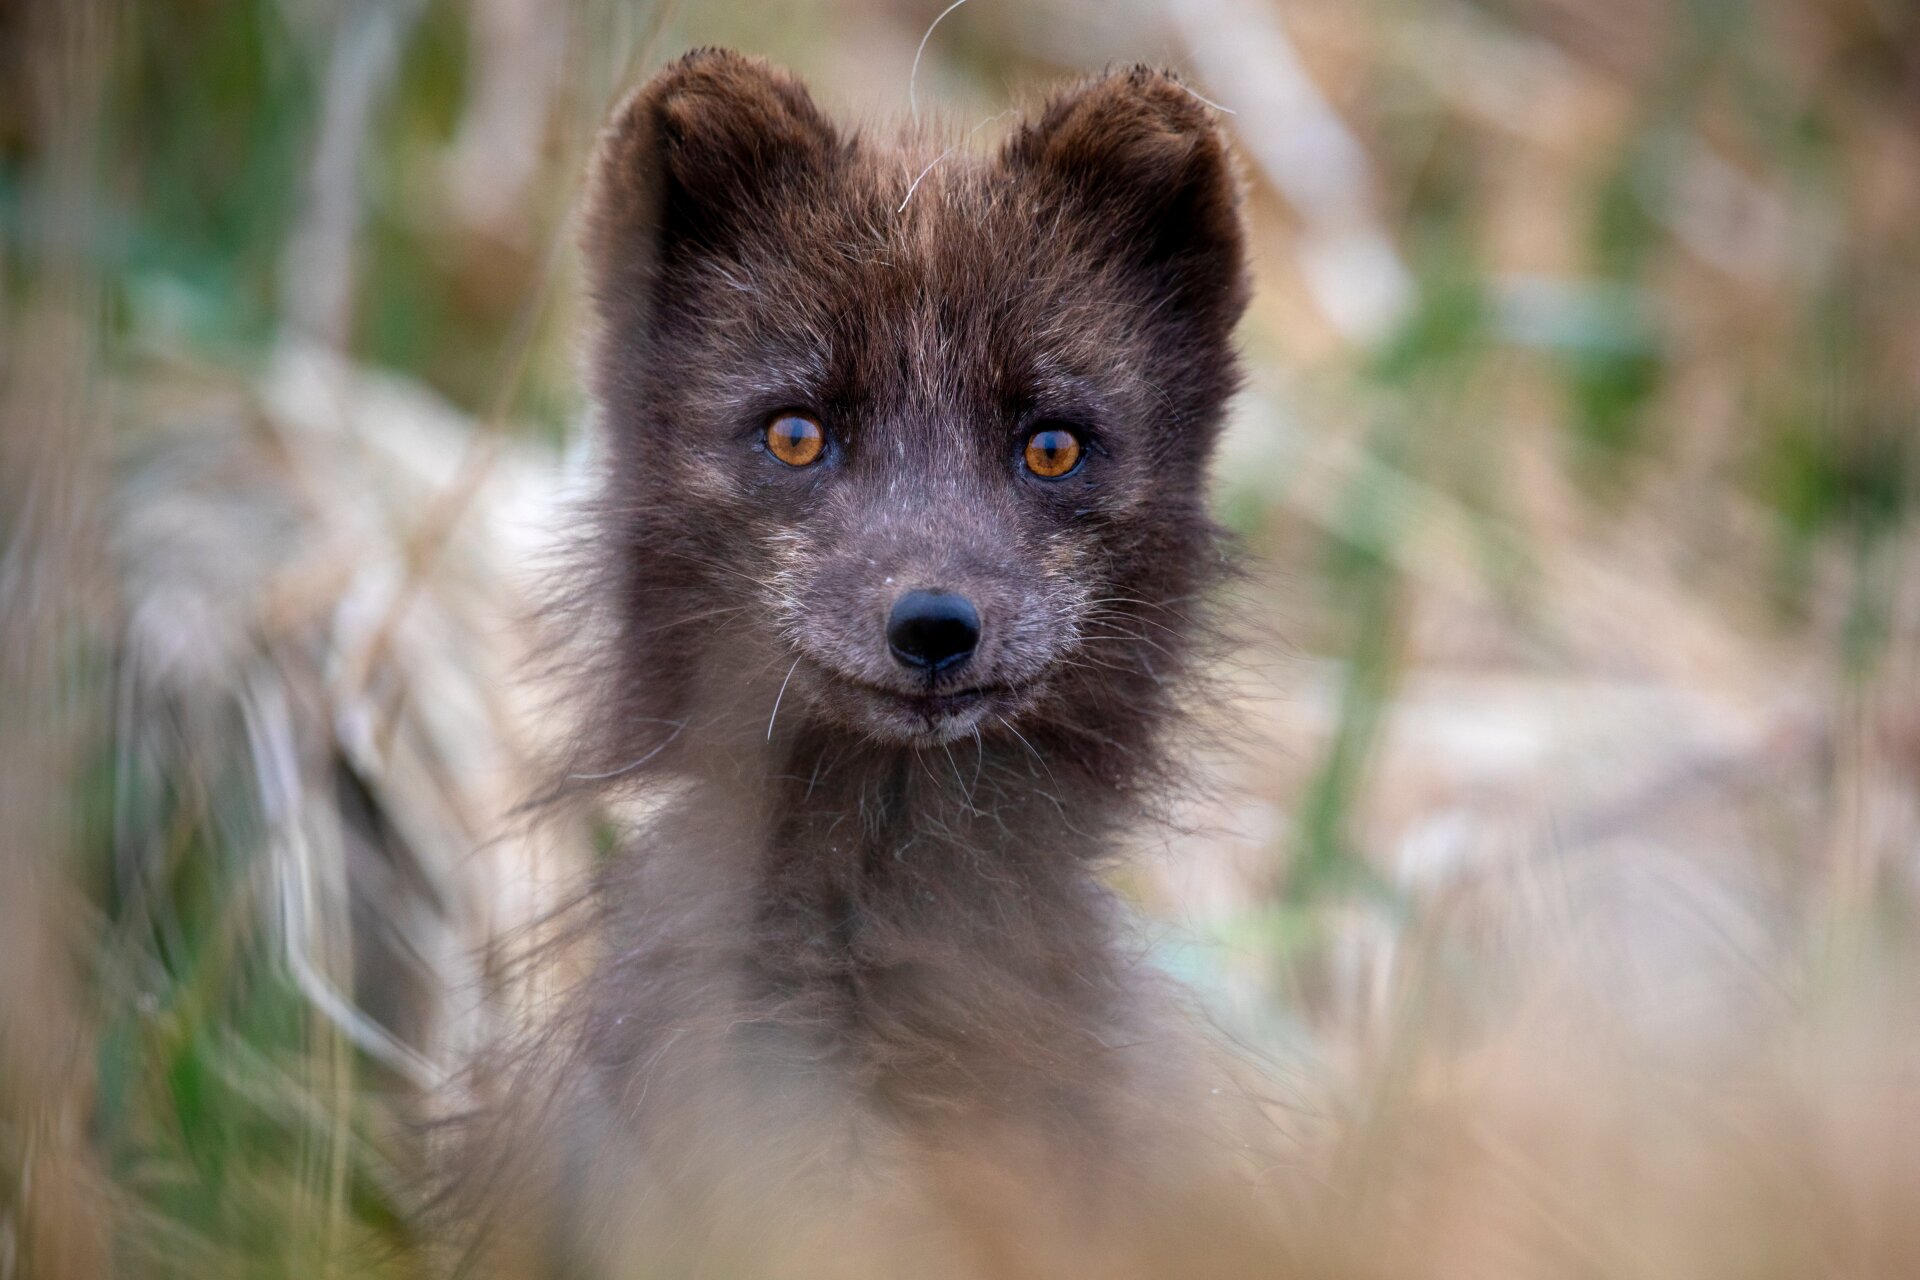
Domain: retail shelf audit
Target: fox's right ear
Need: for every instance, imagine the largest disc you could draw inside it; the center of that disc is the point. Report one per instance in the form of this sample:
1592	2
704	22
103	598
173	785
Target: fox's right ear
691	158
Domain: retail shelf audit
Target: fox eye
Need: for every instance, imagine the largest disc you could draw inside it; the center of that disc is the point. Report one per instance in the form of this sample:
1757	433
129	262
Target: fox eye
1052	452
796	439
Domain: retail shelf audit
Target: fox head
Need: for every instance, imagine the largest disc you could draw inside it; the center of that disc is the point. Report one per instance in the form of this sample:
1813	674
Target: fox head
908	443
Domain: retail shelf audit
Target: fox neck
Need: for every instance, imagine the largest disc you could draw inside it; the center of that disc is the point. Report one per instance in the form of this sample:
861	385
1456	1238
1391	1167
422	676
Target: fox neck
934	916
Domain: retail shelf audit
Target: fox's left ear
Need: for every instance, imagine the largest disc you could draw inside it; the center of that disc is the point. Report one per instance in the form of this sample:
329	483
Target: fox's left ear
1138	161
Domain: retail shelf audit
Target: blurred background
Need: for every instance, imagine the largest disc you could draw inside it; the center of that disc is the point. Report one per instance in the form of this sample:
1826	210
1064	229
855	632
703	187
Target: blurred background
1562	852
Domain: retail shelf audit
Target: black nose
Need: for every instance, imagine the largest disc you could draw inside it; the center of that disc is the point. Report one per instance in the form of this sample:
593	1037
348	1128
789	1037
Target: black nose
933	630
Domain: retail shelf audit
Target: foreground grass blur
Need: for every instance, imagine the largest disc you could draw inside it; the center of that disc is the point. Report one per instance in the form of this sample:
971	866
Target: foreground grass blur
1570	845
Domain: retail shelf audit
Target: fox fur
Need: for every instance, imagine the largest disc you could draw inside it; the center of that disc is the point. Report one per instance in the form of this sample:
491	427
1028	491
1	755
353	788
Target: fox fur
861	1001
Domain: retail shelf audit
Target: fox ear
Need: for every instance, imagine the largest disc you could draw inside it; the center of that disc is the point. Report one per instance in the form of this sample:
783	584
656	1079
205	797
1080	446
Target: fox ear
1138	161
693	157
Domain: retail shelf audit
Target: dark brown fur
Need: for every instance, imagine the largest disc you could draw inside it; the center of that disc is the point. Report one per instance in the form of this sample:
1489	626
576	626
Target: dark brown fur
858	957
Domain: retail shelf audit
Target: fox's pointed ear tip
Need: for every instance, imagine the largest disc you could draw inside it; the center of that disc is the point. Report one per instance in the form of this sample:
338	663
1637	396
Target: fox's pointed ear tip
711	55
712	87
1135	111
1132	106
707	70
717	64
715	60
1160	89
1146	76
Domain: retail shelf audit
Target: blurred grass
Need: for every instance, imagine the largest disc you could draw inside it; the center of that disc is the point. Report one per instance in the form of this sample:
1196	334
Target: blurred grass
1655	357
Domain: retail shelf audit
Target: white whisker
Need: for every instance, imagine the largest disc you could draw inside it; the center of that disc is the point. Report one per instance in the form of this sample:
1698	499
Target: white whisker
1028	745
918	178
778	696
629	768
913	105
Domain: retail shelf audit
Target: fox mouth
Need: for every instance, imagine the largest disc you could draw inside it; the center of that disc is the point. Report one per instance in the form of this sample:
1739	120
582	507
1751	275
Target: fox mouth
937	705
927	716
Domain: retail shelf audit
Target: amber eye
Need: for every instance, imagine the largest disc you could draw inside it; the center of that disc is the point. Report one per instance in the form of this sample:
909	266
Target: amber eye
796	440
1052	452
